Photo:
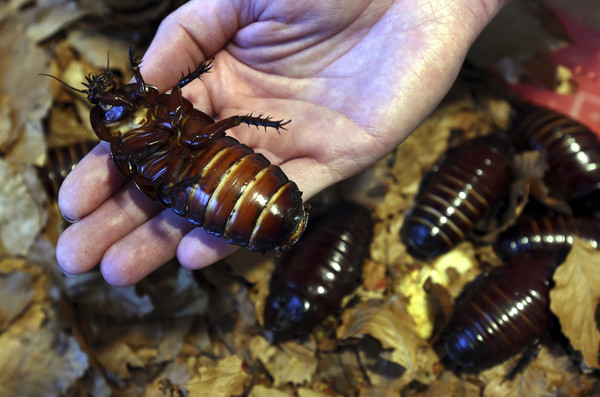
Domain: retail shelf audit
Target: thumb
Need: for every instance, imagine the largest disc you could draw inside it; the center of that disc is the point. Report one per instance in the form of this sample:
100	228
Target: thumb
192	33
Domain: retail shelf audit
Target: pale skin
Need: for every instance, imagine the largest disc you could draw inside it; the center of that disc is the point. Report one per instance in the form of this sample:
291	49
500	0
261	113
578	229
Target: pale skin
356	78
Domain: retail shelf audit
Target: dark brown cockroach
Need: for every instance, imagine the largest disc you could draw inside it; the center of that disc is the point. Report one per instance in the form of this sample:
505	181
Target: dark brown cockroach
311	280
60	161
182	157
500	314
571	150
548	235
457	194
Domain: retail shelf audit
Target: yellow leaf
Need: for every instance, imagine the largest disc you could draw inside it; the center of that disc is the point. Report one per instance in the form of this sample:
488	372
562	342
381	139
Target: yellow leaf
575	298
225	379
393	328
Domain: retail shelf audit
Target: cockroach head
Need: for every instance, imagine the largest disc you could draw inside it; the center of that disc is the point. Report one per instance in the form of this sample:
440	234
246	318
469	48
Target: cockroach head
99	84
96	85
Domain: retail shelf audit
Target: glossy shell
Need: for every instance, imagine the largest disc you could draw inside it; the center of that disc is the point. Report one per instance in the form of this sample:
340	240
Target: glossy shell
311	280
500	314
467	182
547	235
570	148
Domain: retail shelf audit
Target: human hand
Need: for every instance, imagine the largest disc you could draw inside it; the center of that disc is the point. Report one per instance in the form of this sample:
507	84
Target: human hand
355	78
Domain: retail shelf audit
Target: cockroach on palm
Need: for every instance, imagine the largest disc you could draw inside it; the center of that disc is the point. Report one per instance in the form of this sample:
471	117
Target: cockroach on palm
180	156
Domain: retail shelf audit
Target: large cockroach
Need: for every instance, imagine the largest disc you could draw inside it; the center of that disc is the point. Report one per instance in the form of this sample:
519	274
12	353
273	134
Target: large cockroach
311	280
182	157
457	194
548	235
500	314
571	150
60	161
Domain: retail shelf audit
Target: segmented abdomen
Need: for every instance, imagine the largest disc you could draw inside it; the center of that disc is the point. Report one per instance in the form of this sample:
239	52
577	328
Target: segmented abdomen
547	235
237	194
469	180
311	280
500	314
59	162
571	150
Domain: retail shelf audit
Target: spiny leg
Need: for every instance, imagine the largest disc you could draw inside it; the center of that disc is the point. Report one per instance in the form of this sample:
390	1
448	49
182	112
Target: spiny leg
135	62
258	121
204	67
218	128
233	121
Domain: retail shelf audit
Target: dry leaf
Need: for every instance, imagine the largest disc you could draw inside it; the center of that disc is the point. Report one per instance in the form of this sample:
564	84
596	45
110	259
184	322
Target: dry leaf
21	218
575	299
288	363
459	262
16	293
382	373
119	356
93	293
394	329
36	364
551	373
449	384
227	378
37	358
186	296
255	269
305	392
203	338
170	380
28	95
341	371
441	304
530	169
374	276
263	391
51	17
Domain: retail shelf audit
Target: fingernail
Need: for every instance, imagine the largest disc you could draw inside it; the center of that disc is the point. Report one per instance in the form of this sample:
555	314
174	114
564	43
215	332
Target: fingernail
65	273
69	220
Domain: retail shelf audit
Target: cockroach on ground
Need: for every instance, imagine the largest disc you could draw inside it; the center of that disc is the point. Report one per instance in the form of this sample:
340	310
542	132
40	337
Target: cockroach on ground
548	235
464	185
314	276
571	149
182	157
500	314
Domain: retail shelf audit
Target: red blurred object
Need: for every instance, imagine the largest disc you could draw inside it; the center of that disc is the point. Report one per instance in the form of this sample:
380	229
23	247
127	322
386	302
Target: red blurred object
583	59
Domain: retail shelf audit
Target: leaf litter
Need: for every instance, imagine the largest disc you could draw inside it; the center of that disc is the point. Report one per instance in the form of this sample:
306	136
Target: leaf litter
180	333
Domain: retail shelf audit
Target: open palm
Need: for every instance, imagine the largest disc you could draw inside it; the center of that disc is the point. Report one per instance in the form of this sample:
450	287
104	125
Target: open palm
355	78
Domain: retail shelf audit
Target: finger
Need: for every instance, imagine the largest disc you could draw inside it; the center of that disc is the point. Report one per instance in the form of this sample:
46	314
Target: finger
198	249
92	182
145	249
82	245
186	37
310	176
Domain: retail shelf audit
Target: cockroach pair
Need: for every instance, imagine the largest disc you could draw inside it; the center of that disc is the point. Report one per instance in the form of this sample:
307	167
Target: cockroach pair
314	276
547	235
458	192
180	156
60	161
571	150
500	314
